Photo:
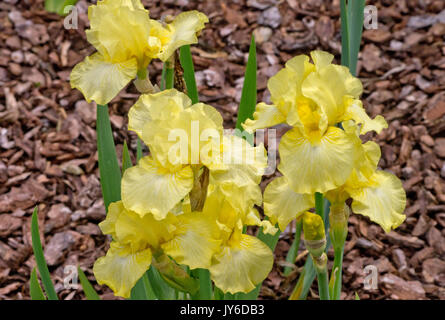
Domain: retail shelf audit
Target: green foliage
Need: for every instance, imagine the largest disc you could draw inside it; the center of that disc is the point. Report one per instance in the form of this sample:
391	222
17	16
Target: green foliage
168	76
40	259
126	159
185	56
90	293
351	31
34	287
110	174
249	93
58	6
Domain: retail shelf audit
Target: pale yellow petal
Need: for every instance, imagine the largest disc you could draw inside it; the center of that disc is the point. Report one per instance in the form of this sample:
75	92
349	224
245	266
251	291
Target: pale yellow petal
193	242
356	112
328	86
282	204
179	140
183	31
119	30
239	175
101	80
321	58
114	211
147	187
253	219
264	116
121	268
317	166
159	106
242	265
383	200
140	232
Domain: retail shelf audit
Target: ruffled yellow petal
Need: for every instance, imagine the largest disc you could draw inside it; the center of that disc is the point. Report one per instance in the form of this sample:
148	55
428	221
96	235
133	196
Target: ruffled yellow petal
99	79
147	187
285	87
383	200
108	225
119	30
328	86
253	219
183	31
356	112
240	172
241	265
193	242
140	232
179	140
121	268
368	158
159	106
317	166
282	204
264	116
321	58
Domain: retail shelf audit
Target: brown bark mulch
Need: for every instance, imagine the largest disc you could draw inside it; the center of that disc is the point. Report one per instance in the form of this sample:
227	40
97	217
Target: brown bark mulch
48	151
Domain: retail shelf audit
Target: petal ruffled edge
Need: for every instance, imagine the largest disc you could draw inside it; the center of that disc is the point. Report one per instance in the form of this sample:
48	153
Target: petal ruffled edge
282	204
121	268
148	188
383	200
239	267
101	80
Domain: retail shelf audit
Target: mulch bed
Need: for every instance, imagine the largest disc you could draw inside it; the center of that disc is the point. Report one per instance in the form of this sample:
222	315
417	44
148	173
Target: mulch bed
48	151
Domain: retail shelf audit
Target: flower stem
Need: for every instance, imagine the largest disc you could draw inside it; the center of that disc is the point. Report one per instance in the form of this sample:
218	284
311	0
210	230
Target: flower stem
338	232
168	74
320	264
337	273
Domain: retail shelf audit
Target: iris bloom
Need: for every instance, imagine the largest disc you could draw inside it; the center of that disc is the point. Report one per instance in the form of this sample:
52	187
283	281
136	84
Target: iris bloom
126	40
313	98
241	261
137	240
185	140
323	152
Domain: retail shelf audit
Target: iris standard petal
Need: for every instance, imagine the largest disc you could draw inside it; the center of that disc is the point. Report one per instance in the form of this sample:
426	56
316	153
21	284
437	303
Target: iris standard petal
156	107
328	86
141	232
183	31
264	116
119	30
356	112
321	58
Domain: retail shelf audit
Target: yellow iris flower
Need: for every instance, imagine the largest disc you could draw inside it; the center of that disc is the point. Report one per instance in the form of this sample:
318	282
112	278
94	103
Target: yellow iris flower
313	98
376	194
184	138
241	261
319	156
136	240
126	40
156	216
